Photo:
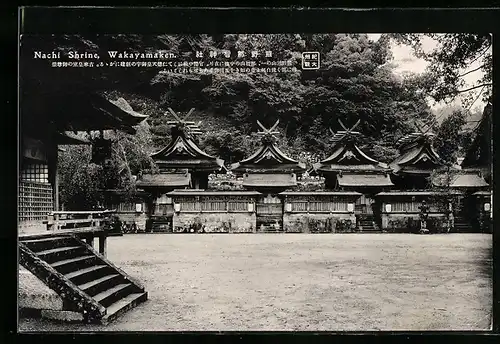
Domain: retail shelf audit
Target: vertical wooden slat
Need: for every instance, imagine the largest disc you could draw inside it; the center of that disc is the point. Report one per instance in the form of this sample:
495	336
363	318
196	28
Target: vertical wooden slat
90	240
102	244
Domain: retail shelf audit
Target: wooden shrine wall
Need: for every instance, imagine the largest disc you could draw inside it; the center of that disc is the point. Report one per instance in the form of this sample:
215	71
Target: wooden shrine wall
35	201
214	214
318	214
37	192
132	212
402	214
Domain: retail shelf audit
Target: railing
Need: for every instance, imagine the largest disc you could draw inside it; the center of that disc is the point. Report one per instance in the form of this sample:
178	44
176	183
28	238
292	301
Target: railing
65	220
410	207
60	283
83	224
228	206
317	206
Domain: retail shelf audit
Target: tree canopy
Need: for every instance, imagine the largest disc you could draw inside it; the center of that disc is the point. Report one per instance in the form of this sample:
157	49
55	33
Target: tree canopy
454	57
355	81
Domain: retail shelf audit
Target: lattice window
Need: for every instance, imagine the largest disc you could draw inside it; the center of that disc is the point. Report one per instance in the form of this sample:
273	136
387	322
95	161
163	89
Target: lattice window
319	206
339	206
269	208
35	173
299	206
398	207
35	201
190	206
237	206
126	207
213	205
405	207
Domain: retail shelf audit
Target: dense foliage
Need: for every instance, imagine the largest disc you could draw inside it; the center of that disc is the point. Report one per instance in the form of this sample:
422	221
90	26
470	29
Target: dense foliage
454	56
356	81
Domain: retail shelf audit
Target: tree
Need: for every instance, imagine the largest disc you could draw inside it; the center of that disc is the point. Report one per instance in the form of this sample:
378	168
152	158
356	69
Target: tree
445	198
356	81
79	179
454	52
450	139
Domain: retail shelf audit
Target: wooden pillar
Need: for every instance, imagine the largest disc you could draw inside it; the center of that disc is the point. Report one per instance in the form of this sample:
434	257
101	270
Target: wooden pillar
51	151
56	191
90	240
102	244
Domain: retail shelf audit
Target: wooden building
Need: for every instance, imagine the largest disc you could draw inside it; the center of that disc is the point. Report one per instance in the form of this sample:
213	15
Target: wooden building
401	211
477	166
182	165
132	208
201	211
484	211
47	122
348	168
269	171
55	254
319	212
416	162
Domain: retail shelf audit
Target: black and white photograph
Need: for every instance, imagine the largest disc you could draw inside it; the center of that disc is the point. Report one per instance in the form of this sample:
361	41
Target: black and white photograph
255	182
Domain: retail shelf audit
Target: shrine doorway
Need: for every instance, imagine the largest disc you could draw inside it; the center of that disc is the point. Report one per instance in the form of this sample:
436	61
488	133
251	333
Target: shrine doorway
269	214
364	205
161	216
366	209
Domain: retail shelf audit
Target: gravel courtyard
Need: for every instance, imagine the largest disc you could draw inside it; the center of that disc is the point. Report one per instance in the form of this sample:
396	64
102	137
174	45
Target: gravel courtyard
302	282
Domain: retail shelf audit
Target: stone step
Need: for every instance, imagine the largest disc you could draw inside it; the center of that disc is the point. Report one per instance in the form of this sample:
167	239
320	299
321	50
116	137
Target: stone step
73	264
110	296
87	274
61	253
117	308
101	284
37	245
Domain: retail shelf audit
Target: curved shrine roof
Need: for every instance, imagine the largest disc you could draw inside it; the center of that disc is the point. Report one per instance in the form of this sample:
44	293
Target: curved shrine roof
417	155
183	152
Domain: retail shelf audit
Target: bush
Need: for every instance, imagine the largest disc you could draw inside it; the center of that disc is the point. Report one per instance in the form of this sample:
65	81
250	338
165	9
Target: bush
437	225
344	226
319	226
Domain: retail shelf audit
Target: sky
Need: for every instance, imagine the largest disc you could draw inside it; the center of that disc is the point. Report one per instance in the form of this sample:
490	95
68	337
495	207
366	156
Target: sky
405	61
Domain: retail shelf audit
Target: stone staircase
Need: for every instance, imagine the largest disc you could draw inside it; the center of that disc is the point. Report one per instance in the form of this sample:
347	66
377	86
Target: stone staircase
268	225
462	225
366	224
87	282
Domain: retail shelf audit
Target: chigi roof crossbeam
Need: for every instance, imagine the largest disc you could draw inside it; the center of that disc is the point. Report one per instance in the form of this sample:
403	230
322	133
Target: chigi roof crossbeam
415	136
183	152
268	158
348	157
189	128
270	133
346	133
